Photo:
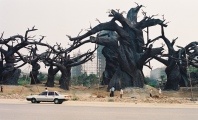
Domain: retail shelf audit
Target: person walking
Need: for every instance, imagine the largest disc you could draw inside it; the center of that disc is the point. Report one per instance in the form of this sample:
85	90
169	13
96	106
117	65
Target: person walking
121	93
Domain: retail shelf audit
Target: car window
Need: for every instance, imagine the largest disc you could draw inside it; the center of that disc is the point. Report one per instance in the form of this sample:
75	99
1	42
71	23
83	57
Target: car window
43	93
51	93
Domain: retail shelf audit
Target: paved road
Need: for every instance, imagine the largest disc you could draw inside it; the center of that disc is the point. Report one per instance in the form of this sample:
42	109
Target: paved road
94	111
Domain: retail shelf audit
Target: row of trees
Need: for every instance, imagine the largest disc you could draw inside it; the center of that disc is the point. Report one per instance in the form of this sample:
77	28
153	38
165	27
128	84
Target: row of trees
81	80
85	80
25	79
125	50
55	57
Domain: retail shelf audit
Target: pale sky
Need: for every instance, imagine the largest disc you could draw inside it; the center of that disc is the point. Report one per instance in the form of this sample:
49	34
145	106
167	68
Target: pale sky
57	18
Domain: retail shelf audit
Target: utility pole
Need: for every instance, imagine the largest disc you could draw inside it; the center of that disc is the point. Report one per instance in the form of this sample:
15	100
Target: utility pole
188	72
99	82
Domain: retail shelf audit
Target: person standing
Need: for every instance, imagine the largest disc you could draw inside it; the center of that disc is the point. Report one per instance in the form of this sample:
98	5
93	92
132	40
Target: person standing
46	89
160	91
1	88
151	92
112	92
121	93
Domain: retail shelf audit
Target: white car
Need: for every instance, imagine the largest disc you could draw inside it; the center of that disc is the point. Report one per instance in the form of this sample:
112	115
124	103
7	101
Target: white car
48	96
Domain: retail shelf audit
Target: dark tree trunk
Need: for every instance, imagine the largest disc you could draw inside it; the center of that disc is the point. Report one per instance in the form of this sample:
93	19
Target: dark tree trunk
123	66
34	73
50	79
176	76
1	69
173	77
68	77
111	64
14	78
10	74
64	82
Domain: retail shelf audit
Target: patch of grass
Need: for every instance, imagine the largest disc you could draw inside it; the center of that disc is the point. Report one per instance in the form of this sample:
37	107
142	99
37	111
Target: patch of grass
9	93
153	85
110	100
75	98
23	82
25	79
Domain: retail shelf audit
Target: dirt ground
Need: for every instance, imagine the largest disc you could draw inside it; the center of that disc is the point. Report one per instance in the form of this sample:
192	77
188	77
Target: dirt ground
100	94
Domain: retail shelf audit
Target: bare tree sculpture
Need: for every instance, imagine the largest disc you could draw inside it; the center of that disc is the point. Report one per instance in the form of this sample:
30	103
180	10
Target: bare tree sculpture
130	53
10	73
64	64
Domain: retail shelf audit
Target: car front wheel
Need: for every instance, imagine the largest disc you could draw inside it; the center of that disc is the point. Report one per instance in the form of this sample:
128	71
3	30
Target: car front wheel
56	101
33	100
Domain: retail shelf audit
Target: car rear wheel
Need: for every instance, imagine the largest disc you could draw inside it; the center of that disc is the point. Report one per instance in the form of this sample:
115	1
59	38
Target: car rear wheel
56	101
33	100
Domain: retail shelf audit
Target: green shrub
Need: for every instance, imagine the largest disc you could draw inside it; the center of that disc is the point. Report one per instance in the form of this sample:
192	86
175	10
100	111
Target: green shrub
24	80
111	100
75	98
153	85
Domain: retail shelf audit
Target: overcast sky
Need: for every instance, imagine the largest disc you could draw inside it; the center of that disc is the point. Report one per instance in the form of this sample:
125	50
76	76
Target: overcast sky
57	18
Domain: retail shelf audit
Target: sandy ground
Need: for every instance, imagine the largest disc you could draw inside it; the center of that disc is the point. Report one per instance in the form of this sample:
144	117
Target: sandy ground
98	95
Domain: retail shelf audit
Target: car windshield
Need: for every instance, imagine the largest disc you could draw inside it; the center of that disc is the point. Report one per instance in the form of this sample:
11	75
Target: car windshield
58	93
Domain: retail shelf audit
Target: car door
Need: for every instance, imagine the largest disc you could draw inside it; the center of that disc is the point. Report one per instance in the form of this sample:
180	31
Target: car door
42	96
50	96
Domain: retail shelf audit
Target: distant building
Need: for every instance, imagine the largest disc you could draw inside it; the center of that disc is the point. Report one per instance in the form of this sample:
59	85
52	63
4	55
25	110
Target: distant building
95	66
76	70
158	76
101	62
90	67
157	73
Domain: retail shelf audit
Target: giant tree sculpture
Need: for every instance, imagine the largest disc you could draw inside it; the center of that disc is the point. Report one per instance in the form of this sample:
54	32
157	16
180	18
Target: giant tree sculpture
190	57
177	62
176	69
61	60
191	50
35	66
10	74
64	64
33	60
129	48
14	44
